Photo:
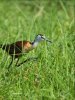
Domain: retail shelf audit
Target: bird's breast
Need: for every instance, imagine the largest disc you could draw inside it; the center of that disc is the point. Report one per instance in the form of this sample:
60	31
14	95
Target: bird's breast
27	47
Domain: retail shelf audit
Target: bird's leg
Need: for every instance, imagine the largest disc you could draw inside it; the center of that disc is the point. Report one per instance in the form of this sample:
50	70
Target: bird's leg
10	63
29	59
17	62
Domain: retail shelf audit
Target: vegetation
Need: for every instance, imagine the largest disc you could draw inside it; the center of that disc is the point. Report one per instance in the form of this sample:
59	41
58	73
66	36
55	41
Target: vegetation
51	77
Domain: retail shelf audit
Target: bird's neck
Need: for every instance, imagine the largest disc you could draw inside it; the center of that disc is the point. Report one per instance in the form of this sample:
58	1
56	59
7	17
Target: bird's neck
35	44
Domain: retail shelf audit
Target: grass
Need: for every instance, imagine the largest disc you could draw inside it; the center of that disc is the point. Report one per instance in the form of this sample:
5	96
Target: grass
52	76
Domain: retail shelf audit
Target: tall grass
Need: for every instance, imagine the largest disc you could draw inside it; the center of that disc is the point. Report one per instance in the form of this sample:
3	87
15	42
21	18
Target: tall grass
51	77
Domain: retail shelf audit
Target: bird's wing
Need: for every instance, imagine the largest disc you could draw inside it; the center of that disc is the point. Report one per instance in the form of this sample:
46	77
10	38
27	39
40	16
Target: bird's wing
12	48
24	46
18	47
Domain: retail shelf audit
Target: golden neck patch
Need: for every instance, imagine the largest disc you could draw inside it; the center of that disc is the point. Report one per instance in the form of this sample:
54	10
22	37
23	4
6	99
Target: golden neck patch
27	46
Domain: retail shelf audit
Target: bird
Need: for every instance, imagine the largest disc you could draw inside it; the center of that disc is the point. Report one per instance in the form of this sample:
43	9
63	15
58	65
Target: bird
17	49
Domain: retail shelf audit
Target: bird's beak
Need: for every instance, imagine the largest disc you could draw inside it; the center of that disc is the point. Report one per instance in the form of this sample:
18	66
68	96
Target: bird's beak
46	39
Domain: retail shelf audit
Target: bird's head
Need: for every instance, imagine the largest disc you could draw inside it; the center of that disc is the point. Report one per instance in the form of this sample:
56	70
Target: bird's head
41	37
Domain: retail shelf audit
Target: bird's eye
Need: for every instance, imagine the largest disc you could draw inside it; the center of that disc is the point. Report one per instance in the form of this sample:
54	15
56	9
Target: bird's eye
43	37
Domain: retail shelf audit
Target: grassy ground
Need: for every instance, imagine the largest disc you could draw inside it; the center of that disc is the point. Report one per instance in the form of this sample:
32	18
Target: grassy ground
51	77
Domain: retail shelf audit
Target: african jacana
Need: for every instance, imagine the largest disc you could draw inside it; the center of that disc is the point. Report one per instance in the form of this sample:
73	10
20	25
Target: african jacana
15	50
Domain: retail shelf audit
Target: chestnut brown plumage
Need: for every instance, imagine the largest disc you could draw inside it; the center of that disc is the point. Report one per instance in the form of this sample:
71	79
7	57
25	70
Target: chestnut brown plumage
16	49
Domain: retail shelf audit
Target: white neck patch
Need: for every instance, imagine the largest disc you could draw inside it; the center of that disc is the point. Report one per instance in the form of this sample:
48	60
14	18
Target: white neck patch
35	44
